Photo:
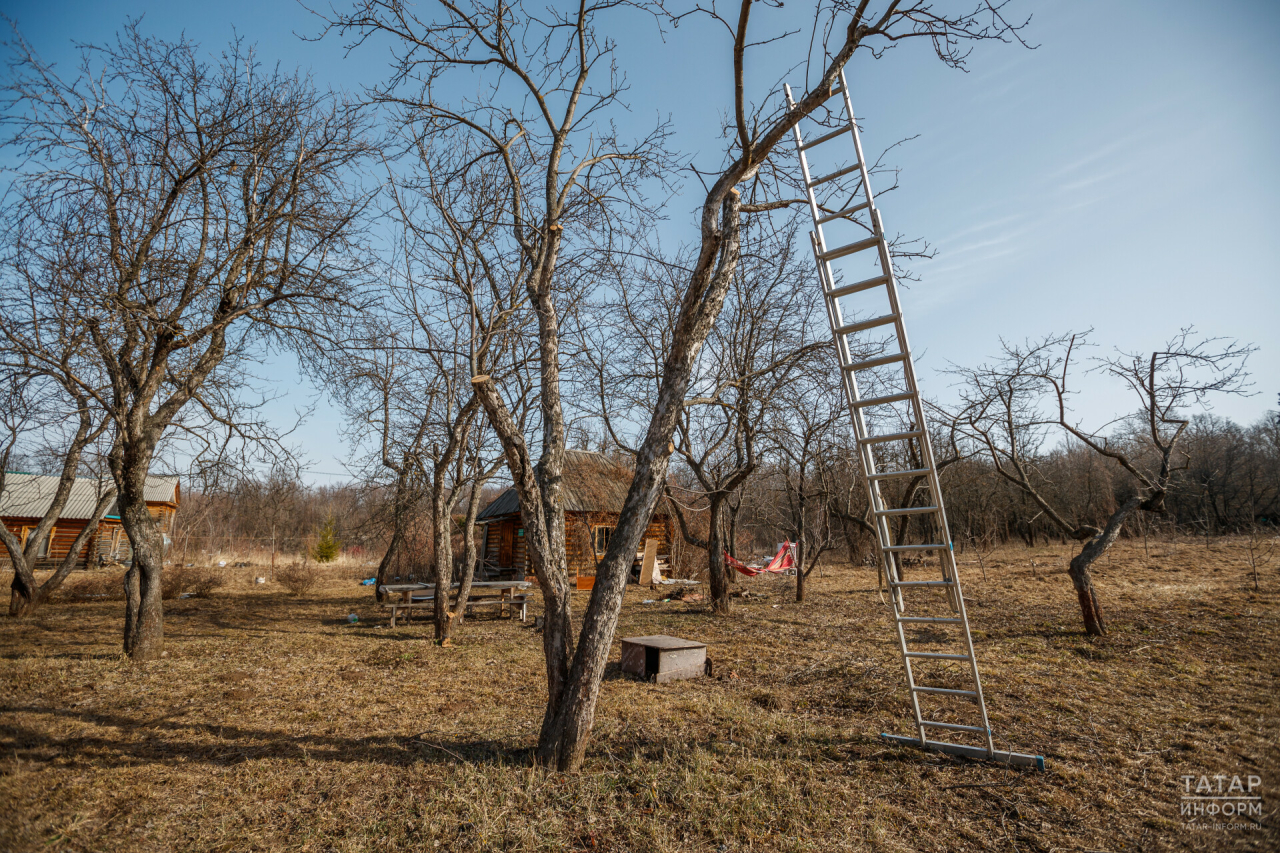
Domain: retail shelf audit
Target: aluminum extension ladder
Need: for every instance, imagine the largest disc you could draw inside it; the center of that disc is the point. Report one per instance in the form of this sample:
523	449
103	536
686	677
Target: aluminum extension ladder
914	458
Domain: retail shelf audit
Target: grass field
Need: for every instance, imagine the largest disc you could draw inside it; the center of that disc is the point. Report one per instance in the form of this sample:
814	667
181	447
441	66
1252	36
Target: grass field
274	724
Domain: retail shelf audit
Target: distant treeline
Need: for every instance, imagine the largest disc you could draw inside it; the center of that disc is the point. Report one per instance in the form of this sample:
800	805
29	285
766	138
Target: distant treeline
1229	481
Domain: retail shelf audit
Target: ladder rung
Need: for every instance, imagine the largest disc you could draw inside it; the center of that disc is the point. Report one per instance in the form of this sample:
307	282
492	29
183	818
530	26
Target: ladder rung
955	727
914	548
932	619
840	174
851	249
836	91
876	362
863	325
936	656
922	583
893	436
890	475
849	289
945	690
911	510
848	211
826	137
880	401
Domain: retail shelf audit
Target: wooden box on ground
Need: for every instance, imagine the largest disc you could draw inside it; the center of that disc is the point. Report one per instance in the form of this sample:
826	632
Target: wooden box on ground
660	659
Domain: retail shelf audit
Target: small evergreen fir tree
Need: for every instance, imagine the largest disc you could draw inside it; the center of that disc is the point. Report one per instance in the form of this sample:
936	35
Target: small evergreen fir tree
328	546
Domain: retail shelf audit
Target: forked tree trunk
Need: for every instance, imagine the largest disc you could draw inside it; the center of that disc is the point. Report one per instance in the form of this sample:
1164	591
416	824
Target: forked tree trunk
25	594
1082	578
144	608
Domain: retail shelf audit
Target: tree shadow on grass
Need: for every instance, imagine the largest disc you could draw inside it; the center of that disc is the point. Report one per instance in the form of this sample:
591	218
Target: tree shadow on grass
166	740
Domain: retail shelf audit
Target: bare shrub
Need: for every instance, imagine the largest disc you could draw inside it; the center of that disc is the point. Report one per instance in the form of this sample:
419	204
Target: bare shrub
193	581
94	586
298	578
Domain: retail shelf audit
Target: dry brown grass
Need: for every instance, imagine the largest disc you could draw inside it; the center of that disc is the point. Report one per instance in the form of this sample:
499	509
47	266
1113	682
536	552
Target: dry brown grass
272	724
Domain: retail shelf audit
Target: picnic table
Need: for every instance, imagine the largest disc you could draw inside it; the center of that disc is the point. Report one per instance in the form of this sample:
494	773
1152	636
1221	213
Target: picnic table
499	594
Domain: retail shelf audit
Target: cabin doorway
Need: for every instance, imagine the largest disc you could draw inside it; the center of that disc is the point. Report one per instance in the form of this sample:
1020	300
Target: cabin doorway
506	544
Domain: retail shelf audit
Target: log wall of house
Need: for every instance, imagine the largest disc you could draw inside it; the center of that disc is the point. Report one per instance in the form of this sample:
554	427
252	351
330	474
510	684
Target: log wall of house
107	544
493	542
578	534
578	539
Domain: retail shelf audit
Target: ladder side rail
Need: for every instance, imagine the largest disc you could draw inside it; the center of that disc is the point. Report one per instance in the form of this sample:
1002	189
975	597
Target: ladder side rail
848	380
911	679
883	527
835	320
947	558
865	453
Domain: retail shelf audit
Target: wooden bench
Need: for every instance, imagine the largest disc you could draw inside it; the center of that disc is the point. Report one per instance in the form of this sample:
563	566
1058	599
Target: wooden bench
395	607
521	601
428	600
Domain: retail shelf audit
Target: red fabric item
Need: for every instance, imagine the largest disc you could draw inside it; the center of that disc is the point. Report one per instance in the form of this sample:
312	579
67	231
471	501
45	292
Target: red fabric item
783	560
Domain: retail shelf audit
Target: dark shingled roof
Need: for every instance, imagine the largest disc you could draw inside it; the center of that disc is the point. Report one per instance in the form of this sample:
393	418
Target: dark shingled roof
592	483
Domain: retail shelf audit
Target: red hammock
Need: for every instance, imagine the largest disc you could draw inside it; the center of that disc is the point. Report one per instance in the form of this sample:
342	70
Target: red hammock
783	560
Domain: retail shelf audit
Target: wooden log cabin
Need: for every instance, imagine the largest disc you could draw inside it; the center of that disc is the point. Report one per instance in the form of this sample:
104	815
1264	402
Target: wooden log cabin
594	488
26	498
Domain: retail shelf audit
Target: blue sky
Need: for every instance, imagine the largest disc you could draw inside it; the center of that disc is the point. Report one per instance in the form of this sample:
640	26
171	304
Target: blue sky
1124	175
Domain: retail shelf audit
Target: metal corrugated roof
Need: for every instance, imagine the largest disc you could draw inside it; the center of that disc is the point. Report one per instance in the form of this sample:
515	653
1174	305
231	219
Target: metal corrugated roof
592	483
29	495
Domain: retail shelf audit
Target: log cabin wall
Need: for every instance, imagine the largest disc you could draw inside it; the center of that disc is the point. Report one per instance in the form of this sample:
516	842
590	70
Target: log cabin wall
579	530
579	534
510	554
109	543
63	537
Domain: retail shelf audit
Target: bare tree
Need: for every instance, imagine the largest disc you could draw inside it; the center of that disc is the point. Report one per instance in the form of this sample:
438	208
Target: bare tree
1012	407
452	305
803	476
538	105
39	404
45	375
759	347
214	205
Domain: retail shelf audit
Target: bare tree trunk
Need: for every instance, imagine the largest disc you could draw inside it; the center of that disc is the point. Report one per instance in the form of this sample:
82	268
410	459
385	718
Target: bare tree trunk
388	559
1090	609
1081	577
563	742
801	575
470	555
26	595
144	620
716	567
22	591
549	566
443	547
132	603
732	544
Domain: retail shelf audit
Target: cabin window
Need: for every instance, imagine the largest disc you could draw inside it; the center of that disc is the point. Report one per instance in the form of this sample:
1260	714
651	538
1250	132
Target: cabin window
600	539
115	543
48	540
